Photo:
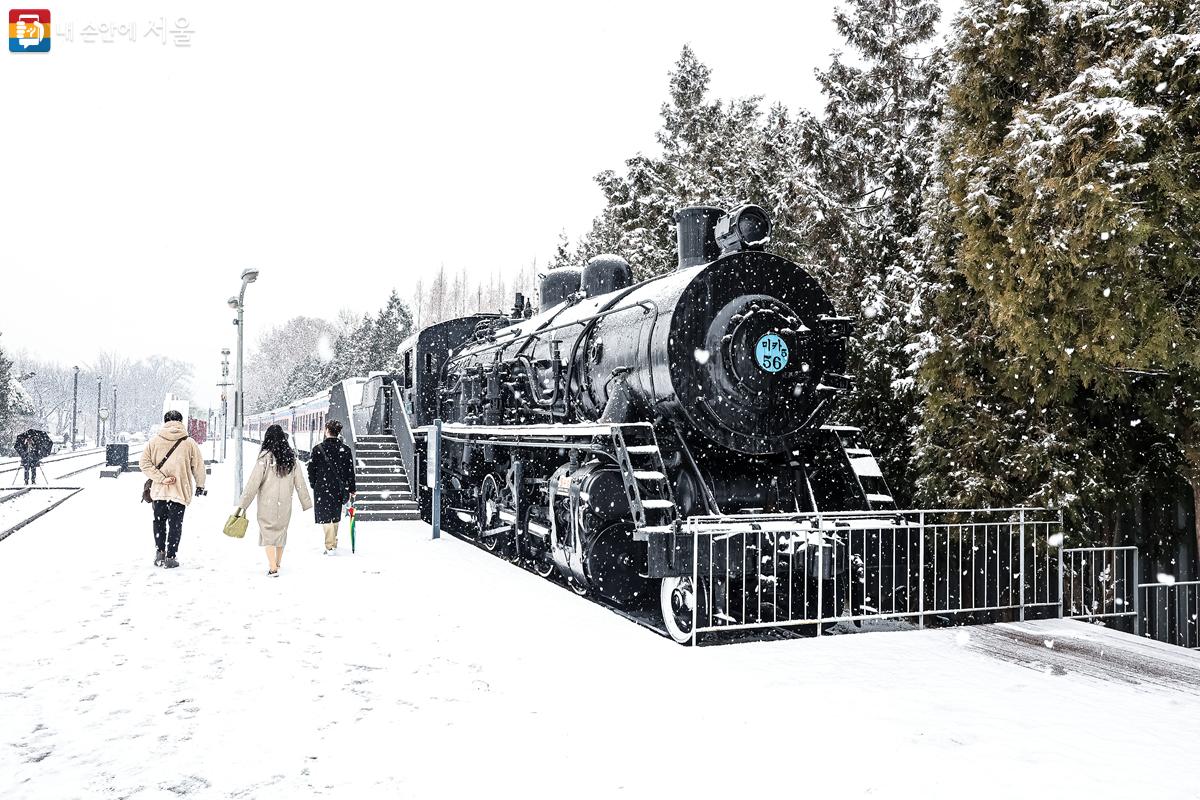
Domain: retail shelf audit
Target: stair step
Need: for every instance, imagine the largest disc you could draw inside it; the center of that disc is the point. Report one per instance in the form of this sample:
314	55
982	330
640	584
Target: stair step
648	475
642	448
387	516
654	503
390	505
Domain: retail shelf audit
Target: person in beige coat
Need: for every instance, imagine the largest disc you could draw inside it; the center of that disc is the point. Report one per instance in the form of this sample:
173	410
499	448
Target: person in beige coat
171	486
274	480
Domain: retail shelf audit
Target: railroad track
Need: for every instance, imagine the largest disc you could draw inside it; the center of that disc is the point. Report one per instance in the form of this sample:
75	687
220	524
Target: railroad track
59	467
21	505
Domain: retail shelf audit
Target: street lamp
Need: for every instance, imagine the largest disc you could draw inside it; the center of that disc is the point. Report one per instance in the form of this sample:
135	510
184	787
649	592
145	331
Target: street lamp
103	413
224	385
75	409
98	401
238	303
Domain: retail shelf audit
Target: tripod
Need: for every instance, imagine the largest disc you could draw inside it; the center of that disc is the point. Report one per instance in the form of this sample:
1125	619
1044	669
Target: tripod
19	474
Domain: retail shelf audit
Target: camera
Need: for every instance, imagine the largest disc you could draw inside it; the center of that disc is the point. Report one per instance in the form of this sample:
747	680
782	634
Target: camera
201	490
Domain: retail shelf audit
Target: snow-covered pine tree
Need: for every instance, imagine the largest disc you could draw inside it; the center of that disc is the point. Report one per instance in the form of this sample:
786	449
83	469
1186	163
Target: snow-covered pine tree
6	403
392	326
563	256
1065	252
642	201
712	153
870	156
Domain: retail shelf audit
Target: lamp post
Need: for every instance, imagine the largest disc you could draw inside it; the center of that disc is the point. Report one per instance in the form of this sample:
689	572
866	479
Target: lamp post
98	388
238	303
103	414
224	384
75	409
114	410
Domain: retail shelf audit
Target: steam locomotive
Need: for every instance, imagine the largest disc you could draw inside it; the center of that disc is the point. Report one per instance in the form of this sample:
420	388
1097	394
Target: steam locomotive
580	439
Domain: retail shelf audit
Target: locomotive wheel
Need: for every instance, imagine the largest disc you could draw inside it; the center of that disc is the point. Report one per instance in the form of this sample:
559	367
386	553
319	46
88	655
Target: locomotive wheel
543	565
677	600
486	513
577	587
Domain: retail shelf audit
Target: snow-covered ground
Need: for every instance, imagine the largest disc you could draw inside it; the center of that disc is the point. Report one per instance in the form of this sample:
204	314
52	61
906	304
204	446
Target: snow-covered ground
431	669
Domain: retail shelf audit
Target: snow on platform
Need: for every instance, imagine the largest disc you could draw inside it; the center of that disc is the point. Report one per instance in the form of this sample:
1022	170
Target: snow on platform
431	669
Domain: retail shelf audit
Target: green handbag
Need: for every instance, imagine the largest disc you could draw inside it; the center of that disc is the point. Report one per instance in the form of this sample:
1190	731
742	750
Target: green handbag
236	525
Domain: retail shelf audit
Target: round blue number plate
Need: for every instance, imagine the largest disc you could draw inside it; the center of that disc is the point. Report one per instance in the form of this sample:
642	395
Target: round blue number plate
771	352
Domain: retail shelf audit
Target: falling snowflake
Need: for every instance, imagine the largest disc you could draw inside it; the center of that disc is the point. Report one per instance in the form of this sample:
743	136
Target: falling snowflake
324	349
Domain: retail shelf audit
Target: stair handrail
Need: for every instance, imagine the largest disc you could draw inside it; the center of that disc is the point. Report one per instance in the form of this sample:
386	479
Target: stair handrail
402	433
341	409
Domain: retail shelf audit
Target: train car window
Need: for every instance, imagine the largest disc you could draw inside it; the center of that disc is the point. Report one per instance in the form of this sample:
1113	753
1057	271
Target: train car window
428	363
408	369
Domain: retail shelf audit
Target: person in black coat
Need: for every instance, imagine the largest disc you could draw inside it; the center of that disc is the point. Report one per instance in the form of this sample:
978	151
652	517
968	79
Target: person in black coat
29	449
331	475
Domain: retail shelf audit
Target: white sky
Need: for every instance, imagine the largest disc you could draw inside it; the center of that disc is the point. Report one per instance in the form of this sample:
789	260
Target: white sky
341	149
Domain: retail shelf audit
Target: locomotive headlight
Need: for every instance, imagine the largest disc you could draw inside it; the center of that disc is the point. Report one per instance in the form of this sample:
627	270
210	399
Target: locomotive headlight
747	228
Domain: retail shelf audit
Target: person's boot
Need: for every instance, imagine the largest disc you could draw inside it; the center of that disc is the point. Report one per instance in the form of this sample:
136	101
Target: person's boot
159	557
170	563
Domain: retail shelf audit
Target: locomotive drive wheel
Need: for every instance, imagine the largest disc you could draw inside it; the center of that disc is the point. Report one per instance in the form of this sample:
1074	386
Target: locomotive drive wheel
486	514
543	565
677	600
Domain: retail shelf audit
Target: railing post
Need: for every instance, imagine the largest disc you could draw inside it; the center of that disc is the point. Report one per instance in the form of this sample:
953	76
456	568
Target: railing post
1137	593
1062	540
1021	572
433	474
921	569
696	581
821	575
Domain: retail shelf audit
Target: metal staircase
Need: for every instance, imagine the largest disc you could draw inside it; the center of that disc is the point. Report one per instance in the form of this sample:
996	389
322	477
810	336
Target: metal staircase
383	489
645	475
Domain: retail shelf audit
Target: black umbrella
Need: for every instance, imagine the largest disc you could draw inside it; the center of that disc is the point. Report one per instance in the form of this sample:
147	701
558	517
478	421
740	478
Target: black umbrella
41	440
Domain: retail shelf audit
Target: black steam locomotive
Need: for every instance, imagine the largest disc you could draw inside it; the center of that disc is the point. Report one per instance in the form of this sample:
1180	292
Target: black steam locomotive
580	439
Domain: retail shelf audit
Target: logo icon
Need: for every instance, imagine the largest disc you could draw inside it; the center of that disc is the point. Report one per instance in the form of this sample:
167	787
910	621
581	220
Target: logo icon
29	30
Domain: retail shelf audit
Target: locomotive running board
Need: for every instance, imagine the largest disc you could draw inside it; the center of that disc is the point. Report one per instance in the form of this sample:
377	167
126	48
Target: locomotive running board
531	434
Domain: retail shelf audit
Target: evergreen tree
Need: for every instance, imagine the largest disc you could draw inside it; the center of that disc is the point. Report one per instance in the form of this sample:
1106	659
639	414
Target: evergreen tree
7	415
710	155
563	254
871	162
392	326
1066	245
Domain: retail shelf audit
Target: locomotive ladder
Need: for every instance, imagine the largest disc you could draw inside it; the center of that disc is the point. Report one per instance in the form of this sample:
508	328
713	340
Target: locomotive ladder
644	474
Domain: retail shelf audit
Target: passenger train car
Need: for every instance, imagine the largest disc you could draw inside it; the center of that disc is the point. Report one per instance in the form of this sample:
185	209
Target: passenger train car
304	422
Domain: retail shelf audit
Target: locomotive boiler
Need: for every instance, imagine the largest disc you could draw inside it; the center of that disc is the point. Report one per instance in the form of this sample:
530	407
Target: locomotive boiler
582	438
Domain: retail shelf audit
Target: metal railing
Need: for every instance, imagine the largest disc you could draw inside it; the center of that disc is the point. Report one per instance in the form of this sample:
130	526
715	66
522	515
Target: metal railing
1100	582
1169	612
776	570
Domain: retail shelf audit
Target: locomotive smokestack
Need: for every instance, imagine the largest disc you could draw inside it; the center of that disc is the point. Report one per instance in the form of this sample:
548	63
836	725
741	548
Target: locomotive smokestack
694	228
